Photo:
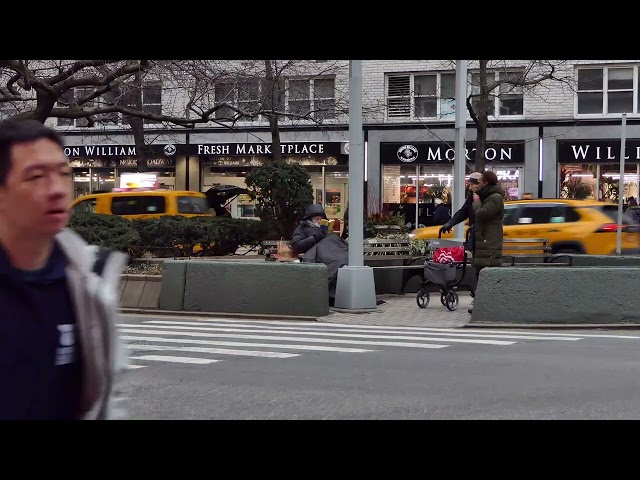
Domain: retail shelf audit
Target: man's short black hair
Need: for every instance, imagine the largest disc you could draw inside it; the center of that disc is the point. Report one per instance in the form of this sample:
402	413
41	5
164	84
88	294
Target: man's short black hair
15	132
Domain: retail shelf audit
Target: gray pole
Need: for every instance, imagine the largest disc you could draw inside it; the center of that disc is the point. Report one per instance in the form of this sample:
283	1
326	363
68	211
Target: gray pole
623	144
356	165
355	286
417	197
459	164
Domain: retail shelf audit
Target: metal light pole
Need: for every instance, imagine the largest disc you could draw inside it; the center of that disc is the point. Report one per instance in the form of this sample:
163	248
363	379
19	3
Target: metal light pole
623	144
459	164
355	288
356	164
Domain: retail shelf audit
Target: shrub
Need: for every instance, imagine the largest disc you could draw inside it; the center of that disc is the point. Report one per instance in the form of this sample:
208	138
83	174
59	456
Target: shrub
282	191
106	230
169	236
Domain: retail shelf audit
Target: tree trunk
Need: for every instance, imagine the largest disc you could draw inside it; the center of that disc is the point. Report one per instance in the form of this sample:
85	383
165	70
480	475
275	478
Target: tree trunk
271	101
481	144
137	124
481	120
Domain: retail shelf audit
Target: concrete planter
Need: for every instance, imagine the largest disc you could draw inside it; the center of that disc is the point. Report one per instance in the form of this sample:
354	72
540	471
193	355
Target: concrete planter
140	291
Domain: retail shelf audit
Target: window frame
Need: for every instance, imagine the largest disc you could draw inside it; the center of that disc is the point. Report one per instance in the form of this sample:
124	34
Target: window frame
447	117
605	90
96	101
310	95
497	101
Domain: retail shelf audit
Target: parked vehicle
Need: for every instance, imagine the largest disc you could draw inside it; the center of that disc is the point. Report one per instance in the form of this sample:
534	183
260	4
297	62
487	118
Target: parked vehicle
144	203
571	226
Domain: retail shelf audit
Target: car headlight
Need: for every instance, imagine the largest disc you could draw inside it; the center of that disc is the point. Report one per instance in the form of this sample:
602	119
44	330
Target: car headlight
412	235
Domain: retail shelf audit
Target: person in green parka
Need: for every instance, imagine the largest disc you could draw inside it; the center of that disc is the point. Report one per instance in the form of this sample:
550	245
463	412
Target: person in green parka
489	216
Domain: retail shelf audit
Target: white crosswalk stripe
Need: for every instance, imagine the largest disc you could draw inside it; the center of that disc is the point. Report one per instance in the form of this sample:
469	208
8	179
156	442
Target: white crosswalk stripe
213	340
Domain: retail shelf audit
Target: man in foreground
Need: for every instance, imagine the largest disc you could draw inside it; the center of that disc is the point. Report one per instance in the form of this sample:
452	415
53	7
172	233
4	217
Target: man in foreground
59	351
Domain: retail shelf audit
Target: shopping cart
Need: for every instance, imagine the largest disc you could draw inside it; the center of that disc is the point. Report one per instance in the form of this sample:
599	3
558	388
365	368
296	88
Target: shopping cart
447	271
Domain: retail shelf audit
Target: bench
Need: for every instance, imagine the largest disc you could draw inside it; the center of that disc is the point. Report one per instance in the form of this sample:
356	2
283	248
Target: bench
392	262
532	252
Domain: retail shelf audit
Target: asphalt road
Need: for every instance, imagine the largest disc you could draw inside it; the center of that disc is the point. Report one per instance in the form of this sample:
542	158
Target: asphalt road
189	368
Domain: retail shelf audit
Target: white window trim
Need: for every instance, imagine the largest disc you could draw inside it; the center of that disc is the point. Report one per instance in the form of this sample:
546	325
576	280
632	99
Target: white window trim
412	97
605	97
311	97
496	112
263	120
451	117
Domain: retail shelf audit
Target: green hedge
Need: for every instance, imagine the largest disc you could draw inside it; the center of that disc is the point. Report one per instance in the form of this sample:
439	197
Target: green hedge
170	235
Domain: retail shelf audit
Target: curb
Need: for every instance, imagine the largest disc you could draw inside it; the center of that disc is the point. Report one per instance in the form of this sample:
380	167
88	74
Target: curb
180	313
566	326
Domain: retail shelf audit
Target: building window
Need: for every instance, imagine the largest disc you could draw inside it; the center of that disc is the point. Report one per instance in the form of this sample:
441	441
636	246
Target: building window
225	93
299	93
324	97
151	103
417	96
152	99
313	97
607	91
506	99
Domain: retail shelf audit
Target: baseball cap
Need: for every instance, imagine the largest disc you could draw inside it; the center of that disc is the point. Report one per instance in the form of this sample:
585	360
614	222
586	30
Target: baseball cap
475	177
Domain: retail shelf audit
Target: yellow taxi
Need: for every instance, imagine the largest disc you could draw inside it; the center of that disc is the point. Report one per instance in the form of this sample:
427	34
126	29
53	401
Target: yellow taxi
144	203
571	226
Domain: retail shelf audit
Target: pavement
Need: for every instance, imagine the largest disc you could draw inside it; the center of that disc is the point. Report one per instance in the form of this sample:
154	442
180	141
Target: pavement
221	368
402	310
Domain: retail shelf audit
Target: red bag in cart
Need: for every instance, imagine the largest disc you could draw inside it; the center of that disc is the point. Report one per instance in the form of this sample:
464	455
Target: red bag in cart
448	254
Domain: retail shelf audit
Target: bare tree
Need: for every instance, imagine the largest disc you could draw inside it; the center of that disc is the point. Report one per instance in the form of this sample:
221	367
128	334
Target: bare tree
496	89
502	84
292	91
213	92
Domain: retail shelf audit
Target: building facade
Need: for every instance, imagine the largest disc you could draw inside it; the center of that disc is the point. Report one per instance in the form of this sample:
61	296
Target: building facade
557	137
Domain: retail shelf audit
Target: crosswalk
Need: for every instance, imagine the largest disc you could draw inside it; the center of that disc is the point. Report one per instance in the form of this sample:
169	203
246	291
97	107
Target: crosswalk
207	341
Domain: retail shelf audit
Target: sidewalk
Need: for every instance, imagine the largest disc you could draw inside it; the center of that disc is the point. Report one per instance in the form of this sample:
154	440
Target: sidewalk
402	310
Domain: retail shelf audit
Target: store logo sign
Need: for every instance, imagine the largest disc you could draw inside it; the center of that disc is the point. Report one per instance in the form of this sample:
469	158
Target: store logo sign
169	149
407	153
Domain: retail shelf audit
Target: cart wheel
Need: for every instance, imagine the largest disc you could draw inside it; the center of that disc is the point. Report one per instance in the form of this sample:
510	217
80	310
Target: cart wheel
422	298
443	299
452	301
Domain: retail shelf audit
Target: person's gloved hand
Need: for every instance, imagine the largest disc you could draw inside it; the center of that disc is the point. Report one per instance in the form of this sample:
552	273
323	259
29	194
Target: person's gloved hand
446	228
319	236
324	229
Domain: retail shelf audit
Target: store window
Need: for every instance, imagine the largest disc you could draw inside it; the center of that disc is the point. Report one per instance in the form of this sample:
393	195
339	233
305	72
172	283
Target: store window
92	180
331	187
509	179
411	190
610	182
599	181
330	184
578	181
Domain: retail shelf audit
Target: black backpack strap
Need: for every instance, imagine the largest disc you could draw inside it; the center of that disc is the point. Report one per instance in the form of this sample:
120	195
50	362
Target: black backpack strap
101	259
